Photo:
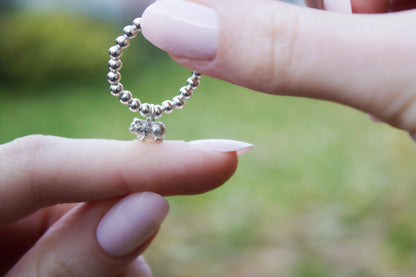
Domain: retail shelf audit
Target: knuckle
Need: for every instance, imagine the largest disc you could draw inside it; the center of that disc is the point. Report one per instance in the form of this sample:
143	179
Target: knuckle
23	155
23	147
50	259
42	261
50	265
273	69
283	50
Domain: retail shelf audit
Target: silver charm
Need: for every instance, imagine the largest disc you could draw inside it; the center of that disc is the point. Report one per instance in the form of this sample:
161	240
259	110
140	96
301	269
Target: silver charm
148	130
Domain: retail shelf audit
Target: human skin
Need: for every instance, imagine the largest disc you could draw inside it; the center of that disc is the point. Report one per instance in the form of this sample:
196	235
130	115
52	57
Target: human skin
113	193
365	61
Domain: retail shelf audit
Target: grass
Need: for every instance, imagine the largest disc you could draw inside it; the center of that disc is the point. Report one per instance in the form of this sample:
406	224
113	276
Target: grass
325	192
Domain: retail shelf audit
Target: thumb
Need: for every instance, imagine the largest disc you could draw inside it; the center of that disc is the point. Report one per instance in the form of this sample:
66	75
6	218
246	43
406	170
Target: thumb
365	61
100	238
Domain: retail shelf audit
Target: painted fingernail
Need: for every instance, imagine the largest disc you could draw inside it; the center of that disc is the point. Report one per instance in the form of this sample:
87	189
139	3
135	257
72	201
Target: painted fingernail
182	28
343	6
222	145
375	119
130	222
142	268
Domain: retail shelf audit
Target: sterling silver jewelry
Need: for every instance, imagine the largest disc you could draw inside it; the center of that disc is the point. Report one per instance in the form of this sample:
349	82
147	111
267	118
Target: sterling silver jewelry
147	129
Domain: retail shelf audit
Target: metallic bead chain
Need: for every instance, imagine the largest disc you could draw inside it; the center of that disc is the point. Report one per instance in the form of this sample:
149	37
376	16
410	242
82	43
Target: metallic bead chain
150	111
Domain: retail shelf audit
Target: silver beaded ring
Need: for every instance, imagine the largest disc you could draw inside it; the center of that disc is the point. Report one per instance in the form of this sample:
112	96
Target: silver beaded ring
144	129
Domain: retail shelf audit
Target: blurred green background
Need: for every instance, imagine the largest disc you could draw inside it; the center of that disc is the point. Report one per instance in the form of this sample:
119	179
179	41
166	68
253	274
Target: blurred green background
325	192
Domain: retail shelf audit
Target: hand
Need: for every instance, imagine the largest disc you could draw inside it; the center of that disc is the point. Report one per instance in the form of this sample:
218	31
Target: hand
364	61
362	6
104	236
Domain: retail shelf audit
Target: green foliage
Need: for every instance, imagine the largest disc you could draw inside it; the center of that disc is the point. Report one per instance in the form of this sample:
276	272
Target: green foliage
41	48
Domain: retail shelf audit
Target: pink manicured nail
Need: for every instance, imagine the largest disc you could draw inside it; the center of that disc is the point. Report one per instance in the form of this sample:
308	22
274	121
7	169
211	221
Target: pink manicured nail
343	6
375	119
182	28
222	145
130	222
142	269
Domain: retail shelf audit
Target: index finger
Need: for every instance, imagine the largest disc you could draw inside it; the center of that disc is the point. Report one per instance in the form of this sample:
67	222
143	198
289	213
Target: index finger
39	171
358	6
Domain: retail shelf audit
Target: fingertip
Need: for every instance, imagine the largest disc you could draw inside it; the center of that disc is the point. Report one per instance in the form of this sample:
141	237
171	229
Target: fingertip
143	269
74	246
182	28
188	169
138	268
131	222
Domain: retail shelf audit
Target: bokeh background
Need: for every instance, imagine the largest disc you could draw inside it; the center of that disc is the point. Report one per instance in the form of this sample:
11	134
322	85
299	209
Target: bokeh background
325	192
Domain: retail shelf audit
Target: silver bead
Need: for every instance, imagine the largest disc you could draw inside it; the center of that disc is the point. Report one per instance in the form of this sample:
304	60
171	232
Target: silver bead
193	82
115	52
130	31
167	106
122	41
114	65
134	105
196	75
125	97
145	110
116	89
178	102
158	111
158	131
137	22
186	92
113	77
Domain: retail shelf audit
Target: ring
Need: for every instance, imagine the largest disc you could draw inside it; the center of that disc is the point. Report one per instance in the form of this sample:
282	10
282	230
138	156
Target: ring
147	129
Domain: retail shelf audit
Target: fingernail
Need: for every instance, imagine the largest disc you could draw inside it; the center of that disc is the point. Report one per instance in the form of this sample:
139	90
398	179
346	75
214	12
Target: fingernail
130	222
222	145
375	119
183	29
343	6
143	269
